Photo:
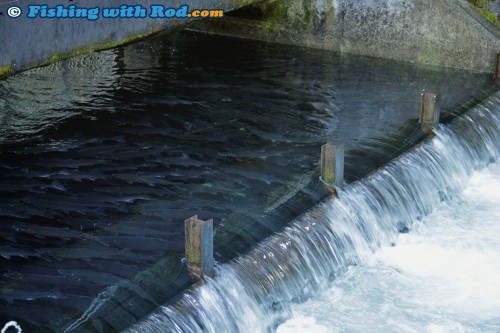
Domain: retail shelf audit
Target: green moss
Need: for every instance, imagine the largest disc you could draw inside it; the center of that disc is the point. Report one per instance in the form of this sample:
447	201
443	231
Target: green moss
5	71
245	3
481	6
53	58
479	3
489	15
8	70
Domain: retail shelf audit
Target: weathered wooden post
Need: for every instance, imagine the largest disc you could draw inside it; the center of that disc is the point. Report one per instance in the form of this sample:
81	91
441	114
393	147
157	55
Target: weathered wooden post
429	110
332	165
199	247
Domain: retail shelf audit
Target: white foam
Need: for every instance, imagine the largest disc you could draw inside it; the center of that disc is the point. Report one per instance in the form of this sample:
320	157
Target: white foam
444	276
302	323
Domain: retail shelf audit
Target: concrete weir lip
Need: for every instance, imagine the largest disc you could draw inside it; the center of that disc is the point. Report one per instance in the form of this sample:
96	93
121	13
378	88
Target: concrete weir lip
272	263
110	306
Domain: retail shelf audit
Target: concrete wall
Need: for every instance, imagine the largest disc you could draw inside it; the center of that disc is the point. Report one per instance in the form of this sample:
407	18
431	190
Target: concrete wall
439	32
26	43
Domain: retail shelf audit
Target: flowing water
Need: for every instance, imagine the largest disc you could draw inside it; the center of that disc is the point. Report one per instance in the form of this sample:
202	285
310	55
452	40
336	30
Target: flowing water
442	277
321	273
102	158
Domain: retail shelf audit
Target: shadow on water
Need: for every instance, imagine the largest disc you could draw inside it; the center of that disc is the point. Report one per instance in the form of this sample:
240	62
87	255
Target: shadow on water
104	156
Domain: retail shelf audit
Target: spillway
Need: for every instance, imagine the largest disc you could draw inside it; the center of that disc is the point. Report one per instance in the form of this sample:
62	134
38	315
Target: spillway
257	291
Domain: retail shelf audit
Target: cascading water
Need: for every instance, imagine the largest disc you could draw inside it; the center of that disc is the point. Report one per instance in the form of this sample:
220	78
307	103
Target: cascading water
440	278
254	293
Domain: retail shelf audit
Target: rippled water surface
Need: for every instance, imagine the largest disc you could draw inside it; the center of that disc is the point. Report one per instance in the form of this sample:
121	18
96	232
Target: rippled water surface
104	156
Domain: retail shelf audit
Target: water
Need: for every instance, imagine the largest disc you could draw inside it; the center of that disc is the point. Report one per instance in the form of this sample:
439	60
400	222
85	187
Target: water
441	277
102	158
302	272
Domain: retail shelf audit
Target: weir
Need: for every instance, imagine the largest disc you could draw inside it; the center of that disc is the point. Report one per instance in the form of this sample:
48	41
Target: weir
103	156
112	252
254	292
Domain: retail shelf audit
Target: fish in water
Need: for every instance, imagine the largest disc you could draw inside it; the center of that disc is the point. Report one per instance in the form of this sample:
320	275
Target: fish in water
8	252
63	233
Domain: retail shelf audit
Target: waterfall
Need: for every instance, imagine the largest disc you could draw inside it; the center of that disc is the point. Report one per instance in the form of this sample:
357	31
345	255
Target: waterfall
254	292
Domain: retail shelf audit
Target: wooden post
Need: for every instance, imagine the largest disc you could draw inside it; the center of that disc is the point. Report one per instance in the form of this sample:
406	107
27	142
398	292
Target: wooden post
332	164
199	247
429	110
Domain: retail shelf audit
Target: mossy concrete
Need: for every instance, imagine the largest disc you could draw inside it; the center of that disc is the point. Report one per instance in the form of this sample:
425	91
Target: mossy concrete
97	47
5	70
26	43
483	6
447	33
444	32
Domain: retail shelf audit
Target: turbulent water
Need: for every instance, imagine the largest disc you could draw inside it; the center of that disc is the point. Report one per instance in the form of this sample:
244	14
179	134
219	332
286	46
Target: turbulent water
442	277
312	261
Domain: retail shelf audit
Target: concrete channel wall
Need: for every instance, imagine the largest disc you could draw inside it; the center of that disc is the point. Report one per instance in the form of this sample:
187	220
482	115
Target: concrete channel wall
30	42
440	32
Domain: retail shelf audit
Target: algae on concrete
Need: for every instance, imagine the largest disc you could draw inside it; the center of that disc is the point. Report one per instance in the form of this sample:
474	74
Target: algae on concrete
48	41
5	71
482	7
450	33
300	23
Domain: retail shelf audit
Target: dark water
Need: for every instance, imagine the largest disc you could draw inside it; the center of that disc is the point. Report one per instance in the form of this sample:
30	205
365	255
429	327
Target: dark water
297	267
104	156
